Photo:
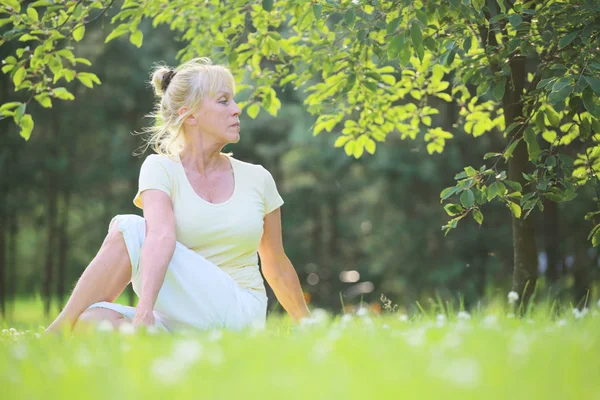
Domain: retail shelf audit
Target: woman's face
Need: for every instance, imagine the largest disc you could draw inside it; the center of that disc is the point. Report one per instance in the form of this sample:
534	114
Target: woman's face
218	118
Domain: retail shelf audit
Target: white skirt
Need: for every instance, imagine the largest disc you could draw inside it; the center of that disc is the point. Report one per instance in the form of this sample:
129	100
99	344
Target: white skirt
195	294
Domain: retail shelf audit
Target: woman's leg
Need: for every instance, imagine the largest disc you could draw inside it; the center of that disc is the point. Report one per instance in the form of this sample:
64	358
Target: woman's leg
90	317
104	279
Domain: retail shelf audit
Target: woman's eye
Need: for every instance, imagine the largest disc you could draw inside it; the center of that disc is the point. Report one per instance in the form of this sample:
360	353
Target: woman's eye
223	102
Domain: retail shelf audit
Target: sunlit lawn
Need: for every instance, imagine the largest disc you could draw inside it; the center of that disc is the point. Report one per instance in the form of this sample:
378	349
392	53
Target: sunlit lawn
491	355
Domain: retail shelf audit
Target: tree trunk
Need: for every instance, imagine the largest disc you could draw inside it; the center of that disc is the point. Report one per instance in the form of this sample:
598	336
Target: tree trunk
11	266
2	262
63	244
552	242
50	242
524	244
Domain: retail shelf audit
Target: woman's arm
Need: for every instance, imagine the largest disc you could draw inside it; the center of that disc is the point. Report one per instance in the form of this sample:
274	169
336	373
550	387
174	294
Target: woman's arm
279	271
157	251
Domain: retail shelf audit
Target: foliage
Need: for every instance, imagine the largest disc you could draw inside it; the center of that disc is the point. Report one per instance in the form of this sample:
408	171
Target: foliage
380	65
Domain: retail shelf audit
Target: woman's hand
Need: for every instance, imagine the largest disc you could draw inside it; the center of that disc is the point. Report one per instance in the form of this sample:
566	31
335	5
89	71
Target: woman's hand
143	316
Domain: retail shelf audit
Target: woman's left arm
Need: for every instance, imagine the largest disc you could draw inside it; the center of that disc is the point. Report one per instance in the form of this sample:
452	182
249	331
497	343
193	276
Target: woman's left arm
279	271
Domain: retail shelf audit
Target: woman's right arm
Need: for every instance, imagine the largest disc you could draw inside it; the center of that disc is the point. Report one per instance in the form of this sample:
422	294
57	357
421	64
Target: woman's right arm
157	251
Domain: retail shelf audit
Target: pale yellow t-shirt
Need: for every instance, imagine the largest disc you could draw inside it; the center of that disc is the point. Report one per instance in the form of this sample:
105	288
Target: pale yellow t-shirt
227	234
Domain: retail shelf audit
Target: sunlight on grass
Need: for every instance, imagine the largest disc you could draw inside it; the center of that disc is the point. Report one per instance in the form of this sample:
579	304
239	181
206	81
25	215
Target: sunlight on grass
489	354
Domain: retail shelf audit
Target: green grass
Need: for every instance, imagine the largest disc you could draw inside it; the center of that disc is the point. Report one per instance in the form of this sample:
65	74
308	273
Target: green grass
491	355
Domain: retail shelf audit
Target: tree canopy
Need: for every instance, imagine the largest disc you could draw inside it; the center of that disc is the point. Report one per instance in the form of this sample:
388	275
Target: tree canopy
527	69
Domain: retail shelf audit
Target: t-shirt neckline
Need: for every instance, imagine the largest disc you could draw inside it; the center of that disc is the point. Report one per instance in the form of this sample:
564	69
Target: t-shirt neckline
235	182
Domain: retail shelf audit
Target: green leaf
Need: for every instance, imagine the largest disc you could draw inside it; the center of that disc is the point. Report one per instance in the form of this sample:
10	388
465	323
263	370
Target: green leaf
9	106
79	32
392	26
370	146
44	100
19	76
566	40
596	237
421	16
498	91
453	209
515	20
317	10
510	149
449	191
19	112
267	5
137	38
120	30
33	14
516	186
86	81
594	83
396	44
490	155
253	110
492	191
62	93
350	18
515	209
84	61
342	140
589	102
467	199
478	216
478	4
26	125
416	35
533	148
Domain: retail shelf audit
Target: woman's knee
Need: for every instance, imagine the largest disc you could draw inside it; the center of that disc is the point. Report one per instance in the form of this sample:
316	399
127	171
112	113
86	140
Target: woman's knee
94	315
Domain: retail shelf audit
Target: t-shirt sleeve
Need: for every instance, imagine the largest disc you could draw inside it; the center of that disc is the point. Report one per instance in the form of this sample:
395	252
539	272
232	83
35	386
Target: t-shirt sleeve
153	175
272	199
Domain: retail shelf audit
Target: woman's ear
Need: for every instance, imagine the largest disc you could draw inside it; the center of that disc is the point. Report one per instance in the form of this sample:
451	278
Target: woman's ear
190	119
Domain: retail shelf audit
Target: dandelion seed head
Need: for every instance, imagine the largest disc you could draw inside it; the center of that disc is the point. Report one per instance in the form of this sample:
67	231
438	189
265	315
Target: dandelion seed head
513	297
362	311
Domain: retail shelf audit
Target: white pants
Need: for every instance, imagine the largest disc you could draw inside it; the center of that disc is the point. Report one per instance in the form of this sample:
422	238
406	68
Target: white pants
195	294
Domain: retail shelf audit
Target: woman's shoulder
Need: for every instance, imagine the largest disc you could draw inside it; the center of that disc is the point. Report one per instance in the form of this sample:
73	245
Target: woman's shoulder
160	159
246	166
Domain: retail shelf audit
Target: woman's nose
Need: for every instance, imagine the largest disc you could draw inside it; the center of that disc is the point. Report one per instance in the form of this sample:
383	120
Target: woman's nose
236	109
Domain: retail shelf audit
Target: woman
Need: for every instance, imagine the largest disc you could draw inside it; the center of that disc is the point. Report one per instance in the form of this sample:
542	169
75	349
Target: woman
192	259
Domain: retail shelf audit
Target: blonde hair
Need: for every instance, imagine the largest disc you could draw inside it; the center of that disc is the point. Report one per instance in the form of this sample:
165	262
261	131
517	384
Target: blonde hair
185	86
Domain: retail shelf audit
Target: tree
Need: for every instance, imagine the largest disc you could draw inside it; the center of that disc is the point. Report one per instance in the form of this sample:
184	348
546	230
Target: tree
524	68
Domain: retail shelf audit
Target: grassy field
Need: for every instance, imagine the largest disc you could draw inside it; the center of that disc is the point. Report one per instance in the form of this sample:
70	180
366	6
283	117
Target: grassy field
487	355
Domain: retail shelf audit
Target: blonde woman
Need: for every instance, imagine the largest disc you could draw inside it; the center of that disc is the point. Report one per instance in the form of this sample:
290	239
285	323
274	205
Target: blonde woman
192	259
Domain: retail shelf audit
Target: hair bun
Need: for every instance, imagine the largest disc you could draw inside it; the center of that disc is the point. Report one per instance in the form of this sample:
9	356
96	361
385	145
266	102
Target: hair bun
166	79
158	78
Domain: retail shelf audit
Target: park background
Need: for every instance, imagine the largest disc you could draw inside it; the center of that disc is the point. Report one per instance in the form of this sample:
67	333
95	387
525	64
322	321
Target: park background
354	229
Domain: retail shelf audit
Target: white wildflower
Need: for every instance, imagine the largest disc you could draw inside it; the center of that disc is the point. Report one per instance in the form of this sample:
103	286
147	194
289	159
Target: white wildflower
513	297
561	322
3	62
215	335
168	371
385	326
20	351
356	2
105	326
187	351
577	314
440	320
320	315
490	321
362	311
126	328
464	315
346	318
403	318
462	372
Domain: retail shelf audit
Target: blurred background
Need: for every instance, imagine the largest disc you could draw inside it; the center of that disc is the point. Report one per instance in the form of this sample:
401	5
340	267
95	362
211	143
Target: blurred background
354	229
